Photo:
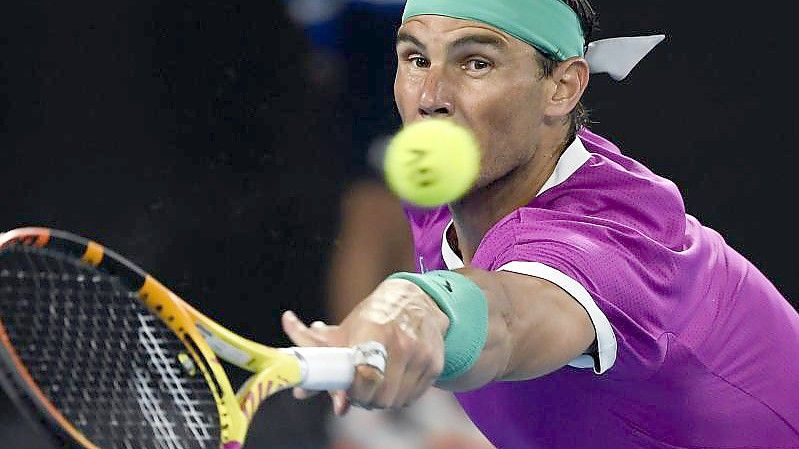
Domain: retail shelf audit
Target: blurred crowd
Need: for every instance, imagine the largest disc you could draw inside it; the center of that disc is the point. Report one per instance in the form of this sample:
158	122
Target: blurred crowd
177	134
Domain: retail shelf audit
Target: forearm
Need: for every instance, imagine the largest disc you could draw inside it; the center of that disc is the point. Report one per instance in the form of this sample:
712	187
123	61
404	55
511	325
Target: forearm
534	328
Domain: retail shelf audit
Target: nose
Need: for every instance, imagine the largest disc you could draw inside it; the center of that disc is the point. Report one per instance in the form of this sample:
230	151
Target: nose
435	100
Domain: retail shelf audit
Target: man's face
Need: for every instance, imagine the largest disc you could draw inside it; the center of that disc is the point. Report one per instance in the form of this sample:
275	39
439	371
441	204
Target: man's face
477	76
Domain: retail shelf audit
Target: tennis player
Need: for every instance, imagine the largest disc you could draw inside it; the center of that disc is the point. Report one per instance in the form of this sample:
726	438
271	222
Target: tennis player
568	298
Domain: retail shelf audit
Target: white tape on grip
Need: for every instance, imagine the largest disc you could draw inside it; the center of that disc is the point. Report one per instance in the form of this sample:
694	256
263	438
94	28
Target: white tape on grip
326	368
334	368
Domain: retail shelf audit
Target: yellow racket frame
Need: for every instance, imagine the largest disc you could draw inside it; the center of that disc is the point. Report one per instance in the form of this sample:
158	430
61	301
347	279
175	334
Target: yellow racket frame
274	370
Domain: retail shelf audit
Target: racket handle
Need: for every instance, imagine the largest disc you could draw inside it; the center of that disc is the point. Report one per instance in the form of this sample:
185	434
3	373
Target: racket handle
334	368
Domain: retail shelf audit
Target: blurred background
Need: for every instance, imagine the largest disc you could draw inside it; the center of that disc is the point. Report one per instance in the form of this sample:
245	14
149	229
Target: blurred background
225	146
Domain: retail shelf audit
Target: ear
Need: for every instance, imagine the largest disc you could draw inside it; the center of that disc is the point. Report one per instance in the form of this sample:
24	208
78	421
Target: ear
571	79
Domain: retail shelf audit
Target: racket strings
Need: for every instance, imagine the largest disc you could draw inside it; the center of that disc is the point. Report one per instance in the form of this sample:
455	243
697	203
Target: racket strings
105	362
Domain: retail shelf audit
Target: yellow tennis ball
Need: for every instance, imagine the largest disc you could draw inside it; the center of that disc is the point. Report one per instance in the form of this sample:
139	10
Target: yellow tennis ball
432	162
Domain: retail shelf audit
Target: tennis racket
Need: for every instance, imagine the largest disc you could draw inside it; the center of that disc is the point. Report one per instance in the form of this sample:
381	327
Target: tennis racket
103	356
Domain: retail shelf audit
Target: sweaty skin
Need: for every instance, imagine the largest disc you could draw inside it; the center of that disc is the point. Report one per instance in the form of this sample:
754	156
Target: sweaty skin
489	81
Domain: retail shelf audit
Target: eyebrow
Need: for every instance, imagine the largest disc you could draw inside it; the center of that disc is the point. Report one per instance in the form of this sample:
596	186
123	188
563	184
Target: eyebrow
405	37
480	39
471	39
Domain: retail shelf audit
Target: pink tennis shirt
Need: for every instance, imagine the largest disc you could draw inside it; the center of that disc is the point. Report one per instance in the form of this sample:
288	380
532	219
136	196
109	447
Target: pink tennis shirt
696	348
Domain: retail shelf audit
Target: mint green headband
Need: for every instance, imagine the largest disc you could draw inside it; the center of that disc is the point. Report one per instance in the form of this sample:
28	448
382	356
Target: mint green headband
551	26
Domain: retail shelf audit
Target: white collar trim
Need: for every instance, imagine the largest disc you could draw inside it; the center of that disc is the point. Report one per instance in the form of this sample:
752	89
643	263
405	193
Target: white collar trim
570	161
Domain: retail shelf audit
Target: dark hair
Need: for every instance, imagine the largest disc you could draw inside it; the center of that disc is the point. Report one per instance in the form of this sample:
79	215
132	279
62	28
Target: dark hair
589	22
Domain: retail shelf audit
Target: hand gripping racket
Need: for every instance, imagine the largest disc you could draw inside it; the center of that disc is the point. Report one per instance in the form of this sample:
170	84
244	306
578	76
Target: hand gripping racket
104	356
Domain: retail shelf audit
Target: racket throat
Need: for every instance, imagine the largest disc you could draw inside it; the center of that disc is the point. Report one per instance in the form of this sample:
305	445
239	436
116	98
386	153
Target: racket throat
283	373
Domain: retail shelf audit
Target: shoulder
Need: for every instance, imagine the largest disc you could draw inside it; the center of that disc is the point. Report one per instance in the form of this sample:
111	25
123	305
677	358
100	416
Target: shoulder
598	205
614	191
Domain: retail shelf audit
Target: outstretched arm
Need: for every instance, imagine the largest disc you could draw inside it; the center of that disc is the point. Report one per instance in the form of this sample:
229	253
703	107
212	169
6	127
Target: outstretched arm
534	328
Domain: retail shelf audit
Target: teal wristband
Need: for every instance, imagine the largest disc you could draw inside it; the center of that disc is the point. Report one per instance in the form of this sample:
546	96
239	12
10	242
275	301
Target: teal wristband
466	306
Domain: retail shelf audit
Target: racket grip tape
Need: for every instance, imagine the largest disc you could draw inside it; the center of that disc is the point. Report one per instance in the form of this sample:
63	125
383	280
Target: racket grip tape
325	368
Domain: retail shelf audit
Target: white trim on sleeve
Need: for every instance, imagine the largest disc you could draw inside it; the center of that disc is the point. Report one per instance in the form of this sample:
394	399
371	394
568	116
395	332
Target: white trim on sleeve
451	260
606	339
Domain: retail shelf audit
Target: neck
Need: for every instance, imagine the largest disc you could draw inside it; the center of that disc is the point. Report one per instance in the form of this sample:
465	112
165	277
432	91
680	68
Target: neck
476	213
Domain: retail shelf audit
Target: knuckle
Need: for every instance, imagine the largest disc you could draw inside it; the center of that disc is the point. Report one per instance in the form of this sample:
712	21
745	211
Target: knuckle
406	344
368	377
358	399
437	366
381	404
426	360
387	398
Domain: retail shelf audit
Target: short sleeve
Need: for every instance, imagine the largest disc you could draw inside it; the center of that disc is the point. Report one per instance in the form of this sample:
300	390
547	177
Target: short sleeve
605	355
619	276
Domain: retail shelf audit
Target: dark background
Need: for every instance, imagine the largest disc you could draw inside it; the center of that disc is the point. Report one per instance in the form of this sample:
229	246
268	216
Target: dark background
186	136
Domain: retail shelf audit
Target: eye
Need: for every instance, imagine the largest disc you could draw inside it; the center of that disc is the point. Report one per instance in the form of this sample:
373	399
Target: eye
419	62
477	65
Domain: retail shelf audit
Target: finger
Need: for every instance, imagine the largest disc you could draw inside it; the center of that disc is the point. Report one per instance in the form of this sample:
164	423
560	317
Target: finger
299	333
301	393
396	376
386	396
423	384
341	405
368	380
416	379
411	384
324	330
424	367
423	371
